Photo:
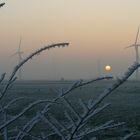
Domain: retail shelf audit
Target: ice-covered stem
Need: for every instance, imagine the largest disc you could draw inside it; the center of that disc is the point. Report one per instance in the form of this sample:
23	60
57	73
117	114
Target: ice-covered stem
80	83
127	136
119	82
23	112
17	67
5	131
67	103
104	126
2	77
76	85
53	125
31	135
8	85
87	115
1	80
12	102
5	136
34	54
28	127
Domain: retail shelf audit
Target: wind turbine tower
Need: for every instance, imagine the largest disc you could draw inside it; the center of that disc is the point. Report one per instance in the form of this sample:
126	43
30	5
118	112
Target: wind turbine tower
136	45
19	54
99	67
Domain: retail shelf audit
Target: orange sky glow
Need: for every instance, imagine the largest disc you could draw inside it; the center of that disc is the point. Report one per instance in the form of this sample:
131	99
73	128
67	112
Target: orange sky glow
95	29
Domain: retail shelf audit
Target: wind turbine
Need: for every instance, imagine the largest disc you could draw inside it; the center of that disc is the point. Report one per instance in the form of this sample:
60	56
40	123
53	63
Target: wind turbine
136	45
19	53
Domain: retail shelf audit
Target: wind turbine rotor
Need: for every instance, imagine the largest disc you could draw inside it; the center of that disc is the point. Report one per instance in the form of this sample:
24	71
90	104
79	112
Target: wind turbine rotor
136	45
21	52
133	45
17	53
14	54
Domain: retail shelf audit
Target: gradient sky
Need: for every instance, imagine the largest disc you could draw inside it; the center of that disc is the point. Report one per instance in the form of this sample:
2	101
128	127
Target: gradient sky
95	29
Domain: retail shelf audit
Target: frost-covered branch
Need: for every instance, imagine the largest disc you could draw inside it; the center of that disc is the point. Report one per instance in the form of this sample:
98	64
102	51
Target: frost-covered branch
12	102
4	108
92	114
72	121
53	125
5	131
22	112
59	124
68	104
119	82
105	94
29	126
81	83
17	67
105	126
31	135
2	77
127	136
90	110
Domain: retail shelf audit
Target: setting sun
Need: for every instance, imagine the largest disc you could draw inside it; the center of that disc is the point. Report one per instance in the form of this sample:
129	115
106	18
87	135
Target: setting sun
107	67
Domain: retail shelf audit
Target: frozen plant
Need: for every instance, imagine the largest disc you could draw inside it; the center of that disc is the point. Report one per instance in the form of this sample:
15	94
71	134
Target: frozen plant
89	111
75	126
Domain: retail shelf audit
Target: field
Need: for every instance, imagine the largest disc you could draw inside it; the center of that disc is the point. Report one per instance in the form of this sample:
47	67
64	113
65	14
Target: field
125	103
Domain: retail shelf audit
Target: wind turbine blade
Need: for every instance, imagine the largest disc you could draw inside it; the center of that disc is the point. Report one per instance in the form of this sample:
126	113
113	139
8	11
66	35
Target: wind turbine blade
20	54
130	46
19	44
138	45
14	54
137	35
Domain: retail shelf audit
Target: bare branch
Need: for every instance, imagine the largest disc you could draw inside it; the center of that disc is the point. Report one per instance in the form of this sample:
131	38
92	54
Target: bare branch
22	112
17	67
104	126
2	77
27	128
53	125
127	136
105	94
68	104
31	135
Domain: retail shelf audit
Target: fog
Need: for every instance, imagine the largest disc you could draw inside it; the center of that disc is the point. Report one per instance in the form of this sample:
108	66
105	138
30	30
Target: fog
96	30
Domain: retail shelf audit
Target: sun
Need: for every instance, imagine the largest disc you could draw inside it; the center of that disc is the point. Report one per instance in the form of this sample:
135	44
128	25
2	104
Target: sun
107	67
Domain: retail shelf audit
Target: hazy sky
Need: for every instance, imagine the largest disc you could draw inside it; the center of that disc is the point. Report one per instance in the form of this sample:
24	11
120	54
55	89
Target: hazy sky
95	29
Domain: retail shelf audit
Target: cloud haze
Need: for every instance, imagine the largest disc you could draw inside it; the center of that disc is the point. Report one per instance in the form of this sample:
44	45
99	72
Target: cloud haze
95	29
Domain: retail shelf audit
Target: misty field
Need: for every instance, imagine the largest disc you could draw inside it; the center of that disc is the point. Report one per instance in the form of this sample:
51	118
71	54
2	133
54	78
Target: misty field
124	107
